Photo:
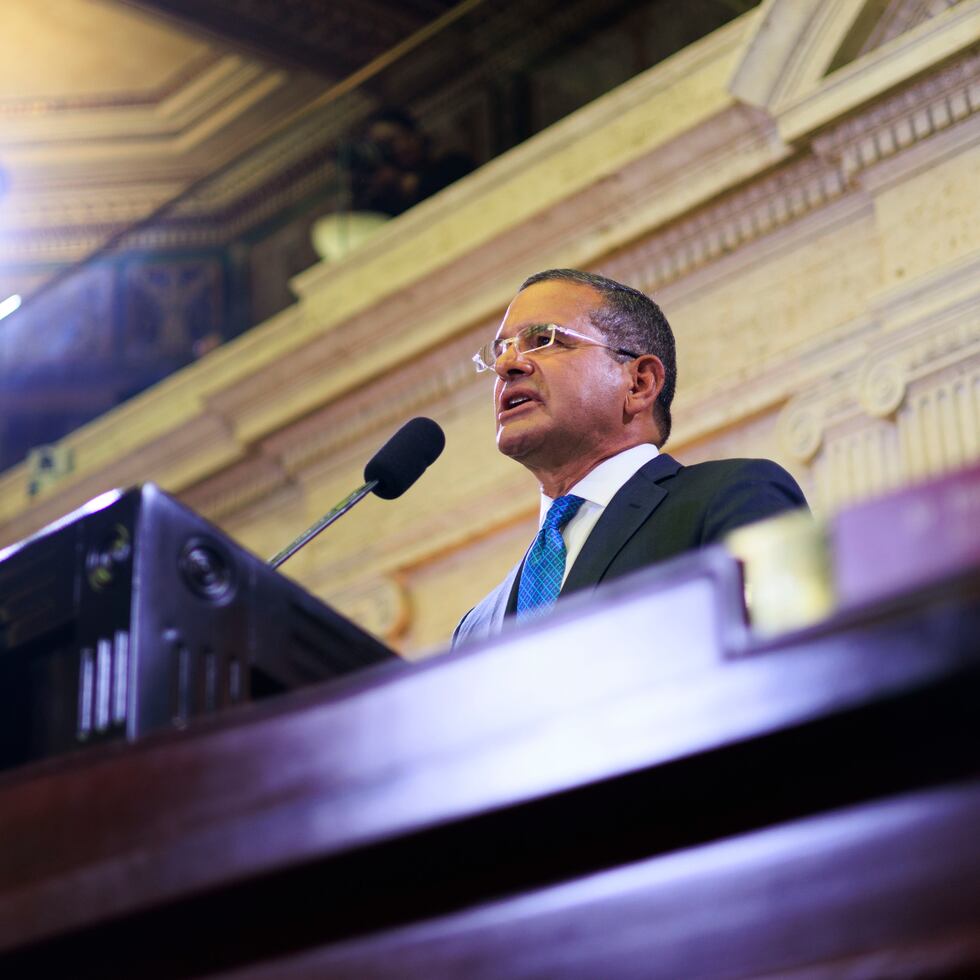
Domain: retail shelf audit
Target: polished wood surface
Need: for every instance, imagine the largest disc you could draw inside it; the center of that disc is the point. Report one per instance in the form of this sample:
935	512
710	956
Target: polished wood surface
637	781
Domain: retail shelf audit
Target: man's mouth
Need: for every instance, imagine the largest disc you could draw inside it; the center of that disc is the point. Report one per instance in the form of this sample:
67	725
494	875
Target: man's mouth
512	403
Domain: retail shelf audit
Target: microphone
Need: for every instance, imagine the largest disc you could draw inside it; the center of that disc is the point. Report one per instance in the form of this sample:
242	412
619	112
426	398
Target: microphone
405	457
389	473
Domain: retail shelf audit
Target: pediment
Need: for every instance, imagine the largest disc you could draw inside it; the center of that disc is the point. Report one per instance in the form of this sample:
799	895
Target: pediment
810	61
882	21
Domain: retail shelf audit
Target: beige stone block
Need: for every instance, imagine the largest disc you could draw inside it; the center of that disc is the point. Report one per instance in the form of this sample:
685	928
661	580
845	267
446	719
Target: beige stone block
931	219
746	313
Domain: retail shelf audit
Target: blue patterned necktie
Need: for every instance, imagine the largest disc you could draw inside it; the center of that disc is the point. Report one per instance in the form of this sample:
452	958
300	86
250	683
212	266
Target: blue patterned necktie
544	566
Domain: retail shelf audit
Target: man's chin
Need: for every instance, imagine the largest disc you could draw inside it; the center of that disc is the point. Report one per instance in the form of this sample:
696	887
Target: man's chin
517	441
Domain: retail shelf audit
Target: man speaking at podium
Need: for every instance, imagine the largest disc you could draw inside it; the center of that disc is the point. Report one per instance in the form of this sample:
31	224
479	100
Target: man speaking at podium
585	371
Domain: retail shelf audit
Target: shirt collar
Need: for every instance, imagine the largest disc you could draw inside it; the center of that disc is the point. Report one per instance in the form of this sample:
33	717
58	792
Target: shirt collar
601	484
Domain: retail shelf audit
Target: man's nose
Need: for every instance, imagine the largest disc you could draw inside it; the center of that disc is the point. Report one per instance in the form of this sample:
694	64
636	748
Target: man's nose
512	362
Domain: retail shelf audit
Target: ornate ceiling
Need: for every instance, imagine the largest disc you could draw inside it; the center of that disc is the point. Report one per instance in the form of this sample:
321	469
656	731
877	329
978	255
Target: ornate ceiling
176	139
107	113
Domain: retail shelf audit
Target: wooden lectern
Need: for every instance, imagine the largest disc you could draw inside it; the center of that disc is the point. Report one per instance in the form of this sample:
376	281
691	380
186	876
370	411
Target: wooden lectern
638	786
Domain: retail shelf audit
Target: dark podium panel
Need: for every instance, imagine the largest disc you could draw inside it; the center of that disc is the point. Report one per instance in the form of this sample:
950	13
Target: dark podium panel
638	786
135	614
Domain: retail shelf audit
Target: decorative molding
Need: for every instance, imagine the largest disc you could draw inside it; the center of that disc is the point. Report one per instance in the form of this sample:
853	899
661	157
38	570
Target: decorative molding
292	149
945	344
847	90
216	96
858	372
188	73
740	218
82	179
800	429
904	403
294	167
903	119
881	387
327	433
934	430
806	185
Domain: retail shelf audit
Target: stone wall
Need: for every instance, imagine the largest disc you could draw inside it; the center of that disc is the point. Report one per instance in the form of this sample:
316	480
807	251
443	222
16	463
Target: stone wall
811	234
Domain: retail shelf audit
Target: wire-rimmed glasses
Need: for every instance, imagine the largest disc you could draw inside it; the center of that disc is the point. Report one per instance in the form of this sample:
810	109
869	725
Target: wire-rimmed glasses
537	337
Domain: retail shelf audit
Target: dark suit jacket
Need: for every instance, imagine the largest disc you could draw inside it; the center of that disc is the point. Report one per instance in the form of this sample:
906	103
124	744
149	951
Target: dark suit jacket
664	510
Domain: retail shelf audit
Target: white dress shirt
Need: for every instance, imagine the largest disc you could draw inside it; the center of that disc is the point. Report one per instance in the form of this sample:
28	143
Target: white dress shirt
597	488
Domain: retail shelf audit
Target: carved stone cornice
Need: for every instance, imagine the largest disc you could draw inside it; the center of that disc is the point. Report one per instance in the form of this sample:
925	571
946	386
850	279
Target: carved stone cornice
899	121
740	218
848	89
809	184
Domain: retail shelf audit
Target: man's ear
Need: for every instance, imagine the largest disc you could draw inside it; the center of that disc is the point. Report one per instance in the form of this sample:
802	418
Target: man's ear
647	381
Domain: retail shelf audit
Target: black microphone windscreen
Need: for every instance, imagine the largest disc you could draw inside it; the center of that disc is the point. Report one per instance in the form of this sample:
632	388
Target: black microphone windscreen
404	457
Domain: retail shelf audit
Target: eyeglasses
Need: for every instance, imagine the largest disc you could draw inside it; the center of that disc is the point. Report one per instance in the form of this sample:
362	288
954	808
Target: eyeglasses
537	337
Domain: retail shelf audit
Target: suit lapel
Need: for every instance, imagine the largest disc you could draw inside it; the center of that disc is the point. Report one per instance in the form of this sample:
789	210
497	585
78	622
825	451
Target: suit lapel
506	601
630	507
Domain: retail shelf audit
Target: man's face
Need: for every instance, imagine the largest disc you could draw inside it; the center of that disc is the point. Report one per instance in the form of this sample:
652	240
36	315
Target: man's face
576	396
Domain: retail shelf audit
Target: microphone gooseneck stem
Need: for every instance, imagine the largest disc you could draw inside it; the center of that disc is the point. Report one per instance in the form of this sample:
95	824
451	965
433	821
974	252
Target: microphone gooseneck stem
310	533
